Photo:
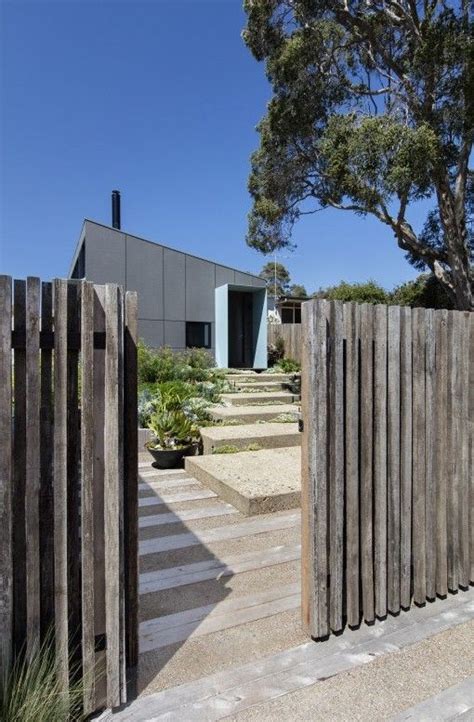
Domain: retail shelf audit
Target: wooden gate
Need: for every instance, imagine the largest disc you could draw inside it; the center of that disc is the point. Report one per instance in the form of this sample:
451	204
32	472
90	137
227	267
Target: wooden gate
68	480
387	462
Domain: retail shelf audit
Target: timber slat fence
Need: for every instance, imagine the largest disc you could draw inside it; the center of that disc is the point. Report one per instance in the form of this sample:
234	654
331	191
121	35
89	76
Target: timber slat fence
387	462
291	335
68	481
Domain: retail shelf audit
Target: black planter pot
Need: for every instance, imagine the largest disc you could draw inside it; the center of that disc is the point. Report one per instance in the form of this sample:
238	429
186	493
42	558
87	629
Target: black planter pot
169	458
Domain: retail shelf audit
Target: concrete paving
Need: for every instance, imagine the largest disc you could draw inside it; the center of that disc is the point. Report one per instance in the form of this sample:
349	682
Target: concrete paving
268	436
253	414
253	377
261	397
255	482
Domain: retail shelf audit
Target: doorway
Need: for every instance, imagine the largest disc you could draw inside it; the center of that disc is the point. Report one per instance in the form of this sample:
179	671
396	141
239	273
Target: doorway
241	346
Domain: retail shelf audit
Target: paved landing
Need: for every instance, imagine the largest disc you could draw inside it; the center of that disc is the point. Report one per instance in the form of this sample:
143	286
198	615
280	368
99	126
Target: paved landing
255	482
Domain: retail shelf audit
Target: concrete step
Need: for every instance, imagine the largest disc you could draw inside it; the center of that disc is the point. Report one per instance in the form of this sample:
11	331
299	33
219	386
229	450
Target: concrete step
252	414
258	378
262	397
257	386
268	436
255	482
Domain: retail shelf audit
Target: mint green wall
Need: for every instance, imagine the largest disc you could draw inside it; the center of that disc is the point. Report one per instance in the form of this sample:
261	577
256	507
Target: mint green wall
222	325
259	324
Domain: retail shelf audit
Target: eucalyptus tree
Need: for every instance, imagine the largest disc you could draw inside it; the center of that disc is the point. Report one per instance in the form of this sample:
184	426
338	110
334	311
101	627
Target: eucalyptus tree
372	109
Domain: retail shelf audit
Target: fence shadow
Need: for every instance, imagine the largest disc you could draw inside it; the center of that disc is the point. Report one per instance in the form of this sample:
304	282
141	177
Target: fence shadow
181	580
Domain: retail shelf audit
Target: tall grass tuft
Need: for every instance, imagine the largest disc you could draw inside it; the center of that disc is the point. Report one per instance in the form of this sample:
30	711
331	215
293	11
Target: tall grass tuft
31	692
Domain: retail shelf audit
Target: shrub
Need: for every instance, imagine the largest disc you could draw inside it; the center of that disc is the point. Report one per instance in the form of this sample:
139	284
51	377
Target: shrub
276	351
153	366
289	366
164	364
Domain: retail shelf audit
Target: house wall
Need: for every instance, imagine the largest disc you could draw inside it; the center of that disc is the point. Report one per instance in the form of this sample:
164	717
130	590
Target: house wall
173	287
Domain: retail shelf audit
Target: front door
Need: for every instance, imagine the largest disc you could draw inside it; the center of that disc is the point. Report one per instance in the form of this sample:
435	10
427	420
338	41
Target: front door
240	329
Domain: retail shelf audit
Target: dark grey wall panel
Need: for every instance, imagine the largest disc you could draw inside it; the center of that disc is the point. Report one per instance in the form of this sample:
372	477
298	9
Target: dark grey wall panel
151	332
224	275
145	275
245	279
200	276
105	255
175	334
174	285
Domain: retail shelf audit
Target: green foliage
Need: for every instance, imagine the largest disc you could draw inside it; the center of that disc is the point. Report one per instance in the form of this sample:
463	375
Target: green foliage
186	383
277	278
288	418
424	292
288	366
226	449
171	429
275	351
298	290
372	109
31	691
164	364
368	292
231	449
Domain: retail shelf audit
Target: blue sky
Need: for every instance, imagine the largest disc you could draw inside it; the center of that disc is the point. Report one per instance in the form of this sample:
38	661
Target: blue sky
159	99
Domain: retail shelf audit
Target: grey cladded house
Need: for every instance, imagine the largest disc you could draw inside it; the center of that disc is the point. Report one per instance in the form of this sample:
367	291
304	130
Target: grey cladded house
183	301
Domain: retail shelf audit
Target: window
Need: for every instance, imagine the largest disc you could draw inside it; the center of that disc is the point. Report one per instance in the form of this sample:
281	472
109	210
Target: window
198	334
287	315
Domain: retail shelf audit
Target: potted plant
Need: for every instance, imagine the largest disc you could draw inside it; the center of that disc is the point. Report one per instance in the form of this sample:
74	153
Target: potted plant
173	436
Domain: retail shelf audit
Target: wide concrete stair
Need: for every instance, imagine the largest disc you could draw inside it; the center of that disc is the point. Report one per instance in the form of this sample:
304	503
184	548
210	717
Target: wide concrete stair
255	463
255	482
253	414
256	378
260	398
266	436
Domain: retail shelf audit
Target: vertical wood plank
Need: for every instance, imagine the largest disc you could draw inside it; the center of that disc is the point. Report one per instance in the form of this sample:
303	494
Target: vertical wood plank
87	495
19	470
393	456
380	459
131	476
111	496
430	453
366	460
6	477
73	476
464	573
321	469
351	316
308	465
419	457
336	464
406	454
98	500
46	545
32	478
454	463
441	457
121	497
470	334
60	482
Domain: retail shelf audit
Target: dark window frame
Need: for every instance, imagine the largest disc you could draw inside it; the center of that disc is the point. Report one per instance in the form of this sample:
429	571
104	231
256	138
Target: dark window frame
193	327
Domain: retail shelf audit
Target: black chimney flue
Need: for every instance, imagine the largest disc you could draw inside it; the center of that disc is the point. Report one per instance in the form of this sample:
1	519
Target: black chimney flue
116	209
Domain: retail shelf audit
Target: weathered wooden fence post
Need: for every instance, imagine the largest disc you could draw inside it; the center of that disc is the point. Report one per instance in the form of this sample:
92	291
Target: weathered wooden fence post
68	481
387	464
